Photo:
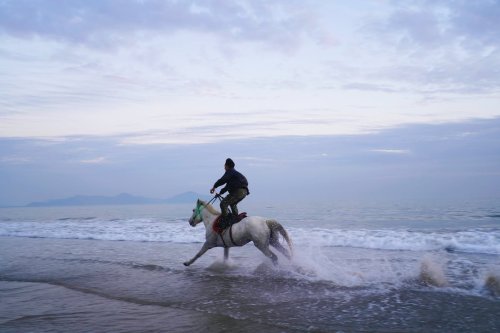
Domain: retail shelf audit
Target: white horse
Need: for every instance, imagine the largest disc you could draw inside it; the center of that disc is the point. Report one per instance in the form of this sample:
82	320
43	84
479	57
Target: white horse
261	231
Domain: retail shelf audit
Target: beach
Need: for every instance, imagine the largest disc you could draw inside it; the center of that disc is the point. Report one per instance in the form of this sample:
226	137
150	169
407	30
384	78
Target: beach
120	269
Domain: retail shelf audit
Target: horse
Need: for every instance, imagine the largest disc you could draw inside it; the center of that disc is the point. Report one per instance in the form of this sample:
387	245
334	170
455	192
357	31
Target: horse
262	232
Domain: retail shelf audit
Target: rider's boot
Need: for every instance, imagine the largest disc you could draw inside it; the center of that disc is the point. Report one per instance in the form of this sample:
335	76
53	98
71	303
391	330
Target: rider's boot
226	220
223	222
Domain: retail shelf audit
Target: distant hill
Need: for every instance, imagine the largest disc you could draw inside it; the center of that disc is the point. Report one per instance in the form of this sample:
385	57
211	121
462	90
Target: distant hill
186	197
120	199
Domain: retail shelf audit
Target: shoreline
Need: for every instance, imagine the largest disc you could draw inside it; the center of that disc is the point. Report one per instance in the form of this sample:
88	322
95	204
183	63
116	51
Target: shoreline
50	284
53	307
60	285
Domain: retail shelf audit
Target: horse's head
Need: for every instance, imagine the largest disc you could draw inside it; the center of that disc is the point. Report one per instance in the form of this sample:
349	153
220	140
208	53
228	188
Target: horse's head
197	217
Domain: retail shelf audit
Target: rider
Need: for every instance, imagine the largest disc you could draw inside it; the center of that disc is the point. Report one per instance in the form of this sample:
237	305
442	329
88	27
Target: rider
236	185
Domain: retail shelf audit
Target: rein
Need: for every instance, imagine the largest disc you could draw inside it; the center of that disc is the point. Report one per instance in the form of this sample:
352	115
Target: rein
230	236
202	206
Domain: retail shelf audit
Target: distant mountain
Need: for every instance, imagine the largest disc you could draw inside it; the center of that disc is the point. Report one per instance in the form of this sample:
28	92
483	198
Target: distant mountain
186	197
120	199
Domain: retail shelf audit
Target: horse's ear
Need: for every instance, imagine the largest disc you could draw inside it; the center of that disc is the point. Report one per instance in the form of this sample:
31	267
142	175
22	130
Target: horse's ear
198	202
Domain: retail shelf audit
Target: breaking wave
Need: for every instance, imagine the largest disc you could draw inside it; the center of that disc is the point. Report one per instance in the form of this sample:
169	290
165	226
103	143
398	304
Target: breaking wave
482	240
473	240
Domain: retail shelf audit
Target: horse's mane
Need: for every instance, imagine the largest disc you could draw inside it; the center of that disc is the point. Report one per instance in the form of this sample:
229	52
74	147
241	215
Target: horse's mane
210	208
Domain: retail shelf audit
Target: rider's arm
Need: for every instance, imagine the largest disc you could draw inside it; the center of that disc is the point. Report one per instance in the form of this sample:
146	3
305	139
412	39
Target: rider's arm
224	179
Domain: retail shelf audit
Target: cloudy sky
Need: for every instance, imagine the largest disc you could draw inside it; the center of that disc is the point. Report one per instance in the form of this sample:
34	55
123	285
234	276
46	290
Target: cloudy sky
319	99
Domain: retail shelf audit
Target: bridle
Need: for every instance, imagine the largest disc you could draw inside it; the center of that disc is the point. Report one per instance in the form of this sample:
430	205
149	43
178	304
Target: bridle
197	214
199	208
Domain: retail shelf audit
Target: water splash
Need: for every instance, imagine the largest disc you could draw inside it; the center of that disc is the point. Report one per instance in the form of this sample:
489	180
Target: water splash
492	284
432	272
222	266
351	269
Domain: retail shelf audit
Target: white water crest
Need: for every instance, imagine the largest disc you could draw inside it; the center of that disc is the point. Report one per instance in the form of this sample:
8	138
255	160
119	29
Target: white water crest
479	240
141	230
473	240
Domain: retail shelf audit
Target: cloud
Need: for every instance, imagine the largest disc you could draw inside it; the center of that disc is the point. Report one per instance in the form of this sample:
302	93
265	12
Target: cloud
370	87
438	23
430	162
14	160
391	151
97	160
92	57
167	73
439	47
418	25
477	21
104	23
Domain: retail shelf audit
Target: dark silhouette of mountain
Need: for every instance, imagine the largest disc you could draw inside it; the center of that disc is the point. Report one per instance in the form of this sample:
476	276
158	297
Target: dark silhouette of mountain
120	199
186	197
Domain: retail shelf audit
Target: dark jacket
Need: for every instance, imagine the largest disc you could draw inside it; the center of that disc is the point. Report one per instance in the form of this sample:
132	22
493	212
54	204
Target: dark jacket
233	180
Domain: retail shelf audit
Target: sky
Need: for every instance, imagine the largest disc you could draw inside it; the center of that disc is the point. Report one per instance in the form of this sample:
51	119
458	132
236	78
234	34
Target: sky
318	100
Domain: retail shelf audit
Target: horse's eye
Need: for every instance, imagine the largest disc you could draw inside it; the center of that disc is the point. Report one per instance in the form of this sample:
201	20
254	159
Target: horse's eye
193	210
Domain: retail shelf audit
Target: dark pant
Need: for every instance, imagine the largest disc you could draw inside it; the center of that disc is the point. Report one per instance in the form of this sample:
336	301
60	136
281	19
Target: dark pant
232	199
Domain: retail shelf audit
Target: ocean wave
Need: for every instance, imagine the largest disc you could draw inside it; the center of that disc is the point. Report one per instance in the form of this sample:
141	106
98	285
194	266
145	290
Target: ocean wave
485	241
140	230
77	218
475	240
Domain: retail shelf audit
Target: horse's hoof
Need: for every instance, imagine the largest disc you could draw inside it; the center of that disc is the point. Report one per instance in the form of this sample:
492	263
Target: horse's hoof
186	264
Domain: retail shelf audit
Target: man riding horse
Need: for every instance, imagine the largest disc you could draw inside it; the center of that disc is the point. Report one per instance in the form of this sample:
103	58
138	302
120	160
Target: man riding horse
261	231
236	185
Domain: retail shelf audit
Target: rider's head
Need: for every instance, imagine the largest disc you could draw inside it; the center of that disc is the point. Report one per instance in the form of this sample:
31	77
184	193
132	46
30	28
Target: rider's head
229	164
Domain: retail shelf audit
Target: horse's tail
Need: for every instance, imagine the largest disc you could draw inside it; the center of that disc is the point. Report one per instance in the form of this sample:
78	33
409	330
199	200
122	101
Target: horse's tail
275	226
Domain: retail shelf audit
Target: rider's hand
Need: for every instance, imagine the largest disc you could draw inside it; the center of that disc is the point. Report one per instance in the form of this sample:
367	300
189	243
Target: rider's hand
212	190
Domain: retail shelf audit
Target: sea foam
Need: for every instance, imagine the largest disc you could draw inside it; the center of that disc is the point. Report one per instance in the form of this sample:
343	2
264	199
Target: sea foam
485	241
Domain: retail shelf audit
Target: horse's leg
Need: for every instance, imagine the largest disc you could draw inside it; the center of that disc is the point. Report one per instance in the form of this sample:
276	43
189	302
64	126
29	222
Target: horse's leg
203	249
226	253
267	252
276	244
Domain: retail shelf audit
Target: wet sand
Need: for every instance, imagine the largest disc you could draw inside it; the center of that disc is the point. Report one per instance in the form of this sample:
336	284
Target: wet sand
44	288
44	307
62	285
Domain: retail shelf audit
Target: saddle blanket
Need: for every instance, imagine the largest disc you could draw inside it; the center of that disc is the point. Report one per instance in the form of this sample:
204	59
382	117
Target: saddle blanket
219	226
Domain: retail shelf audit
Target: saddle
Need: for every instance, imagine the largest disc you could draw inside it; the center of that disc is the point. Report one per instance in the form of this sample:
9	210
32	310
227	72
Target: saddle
220	225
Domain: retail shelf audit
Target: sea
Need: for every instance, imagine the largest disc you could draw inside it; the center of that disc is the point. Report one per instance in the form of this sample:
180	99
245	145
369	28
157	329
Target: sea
356	268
